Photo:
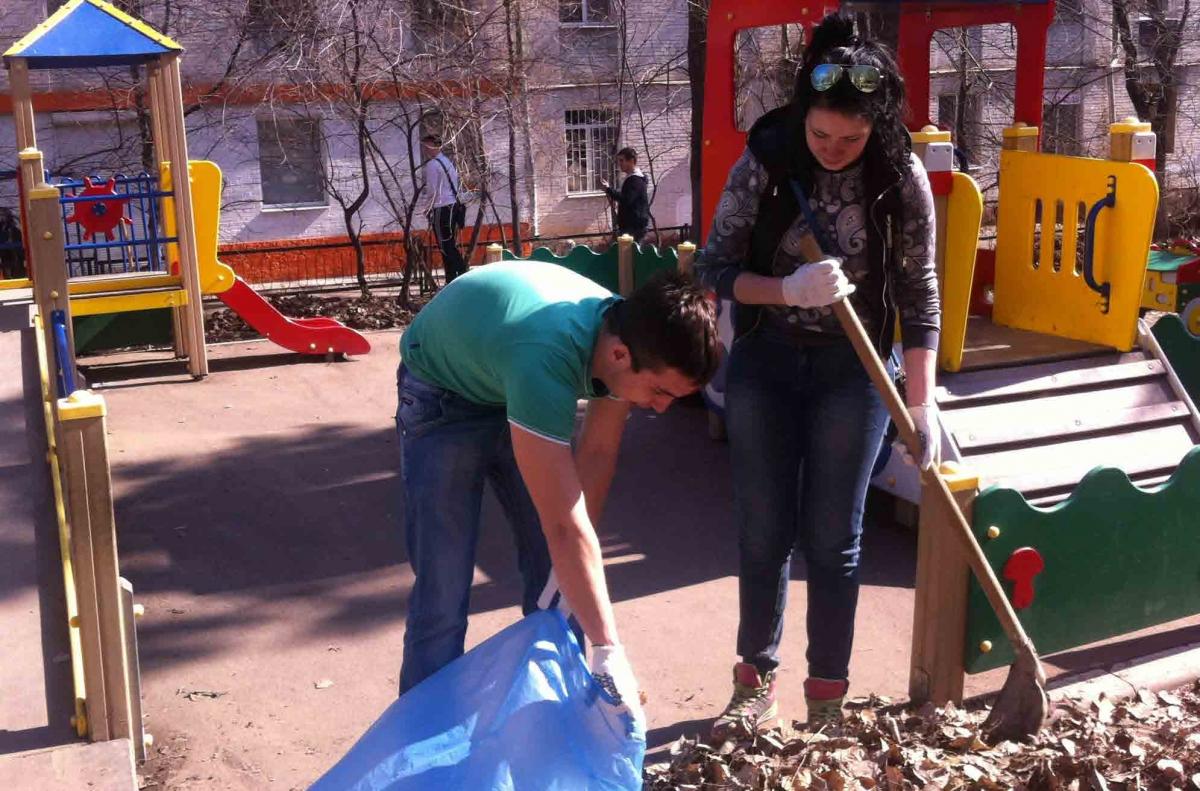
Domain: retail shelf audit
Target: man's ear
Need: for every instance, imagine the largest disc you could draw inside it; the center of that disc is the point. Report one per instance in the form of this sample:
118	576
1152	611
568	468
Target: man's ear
619	355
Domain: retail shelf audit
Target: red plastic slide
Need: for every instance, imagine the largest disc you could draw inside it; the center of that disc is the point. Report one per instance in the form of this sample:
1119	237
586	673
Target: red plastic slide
306	336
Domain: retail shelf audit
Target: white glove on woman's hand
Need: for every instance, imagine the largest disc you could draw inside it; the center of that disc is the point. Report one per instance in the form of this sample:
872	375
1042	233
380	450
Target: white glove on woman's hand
816	285
611	668
929	429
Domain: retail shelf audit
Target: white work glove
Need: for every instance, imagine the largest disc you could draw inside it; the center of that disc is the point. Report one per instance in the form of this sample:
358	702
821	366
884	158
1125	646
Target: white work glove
816	285
613	673
929	429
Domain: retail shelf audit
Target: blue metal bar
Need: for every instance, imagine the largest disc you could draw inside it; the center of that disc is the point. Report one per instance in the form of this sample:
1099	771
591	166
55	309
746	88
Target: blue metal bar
66	362
119	195
103	245
1089	242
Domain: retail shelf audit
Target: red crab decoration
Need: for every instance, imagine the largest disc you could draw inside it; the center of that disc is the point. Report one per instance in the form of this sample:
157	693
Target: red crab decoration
99	216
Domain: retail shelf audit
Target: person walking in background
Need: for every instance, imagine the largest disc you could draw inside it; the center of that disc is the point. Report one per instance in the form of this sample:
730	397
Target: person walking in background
446	213
633	201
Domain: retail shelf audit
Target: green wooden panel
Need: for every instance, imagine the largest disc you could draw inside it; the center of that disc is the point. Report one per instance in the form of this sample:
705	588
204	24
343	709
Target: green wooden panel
1117	559
104	331
648	261
598	267
1182	350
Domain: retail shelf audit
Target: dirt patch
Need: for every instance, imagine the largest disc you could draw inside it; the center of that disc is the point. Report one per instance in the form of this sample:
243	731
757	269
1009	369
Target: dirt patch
1151	741
359	313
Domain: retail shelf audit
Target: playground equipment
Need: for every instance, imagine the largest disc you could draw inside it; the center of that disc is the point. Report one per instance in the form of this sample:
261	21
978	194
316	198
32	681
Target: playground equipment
621	268
1173	281
148	241
1069	431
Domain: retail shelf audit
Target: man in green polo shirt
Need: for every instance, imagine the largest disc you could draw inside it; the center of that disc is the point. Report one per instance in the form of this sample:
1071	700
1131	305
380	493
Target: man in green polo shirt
492	371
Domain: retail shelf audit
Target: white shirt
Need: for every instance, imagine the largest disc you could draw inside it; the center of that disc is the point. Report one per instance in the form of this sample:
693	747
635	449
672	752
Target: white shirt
440	182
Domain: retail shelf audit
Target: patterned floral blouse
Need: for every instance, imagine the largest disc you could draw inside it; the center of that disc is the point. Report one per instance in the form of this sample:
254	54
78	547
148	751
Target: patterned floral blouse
840	209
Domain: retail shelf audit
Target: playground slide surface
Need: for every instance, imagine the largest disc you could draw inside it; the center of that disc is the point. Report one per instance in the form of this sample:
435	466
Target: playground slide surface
306	336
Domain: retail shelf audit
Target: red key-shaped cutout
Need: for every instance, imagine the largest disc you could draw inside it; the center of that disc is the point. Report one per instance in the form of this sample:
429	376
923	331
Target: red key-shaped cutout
1021	567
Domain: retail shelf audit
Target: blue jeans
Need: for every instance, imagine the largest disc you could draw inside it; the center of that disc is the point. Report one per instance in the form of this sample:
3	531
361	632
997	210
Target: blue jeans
805	426
449	447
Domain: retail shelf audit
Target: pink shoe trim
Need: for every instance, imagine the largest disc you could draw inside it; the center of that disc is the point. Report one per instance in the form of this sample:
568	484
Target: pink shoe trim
825	688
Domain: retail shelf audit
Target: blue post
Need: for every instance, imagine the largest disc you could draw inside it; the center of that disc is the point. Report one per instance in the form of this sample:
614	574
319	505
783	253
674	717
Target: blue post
62	349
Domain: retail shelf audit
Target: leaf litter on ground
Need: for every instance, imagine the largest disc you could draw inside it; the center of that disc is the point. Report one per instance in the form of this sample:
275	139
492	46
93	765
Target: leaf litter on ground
1148	742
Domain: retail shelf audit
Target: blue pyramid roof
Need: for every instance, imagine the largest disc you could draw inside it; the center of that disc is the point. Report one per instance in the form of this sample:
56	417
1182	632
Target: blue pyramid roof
87	33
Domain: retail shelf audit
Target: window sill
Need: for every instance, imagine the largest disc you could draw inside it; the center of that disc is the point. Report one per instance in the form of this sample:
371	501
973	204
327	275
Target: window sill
597	194
589	25
283	208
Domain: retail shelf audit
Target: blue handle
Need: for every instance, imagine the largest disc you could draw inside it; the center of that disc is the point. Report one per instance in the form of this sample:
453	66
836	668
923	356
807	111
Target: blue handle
66	363
1089	241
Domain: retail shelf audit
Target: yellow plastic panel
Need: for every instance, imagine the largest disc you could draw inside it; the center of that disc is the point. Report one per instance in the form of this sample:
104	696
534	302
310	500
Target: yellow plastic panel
964	212
1039	281
17	282
1159	294
129	301
215	277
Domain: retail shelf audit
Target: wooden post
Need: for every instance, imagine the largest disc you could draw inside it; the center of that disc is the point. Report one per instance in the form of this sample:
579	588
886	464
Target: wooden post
131	612
185	230
936	151
48	268
154	86
940	609
94	551
1020	137
625	264
1131	140
493	254
22	100
687	257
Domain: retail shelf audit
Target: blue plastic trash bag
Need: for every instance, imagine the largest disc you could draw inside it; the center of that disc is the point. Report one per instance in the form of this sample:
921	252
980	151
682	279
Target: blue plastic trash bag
520	712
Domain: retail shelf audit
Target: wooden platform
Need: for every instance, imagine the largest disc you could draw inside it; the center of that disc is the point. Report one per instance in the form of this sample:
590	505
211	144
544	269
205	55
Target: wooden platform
990	345
1036	413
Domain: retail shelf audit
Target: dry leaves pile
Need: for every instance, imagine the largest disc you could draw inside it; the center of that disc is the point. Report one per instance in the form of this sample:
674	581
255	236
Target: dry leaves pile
1151	741
370	313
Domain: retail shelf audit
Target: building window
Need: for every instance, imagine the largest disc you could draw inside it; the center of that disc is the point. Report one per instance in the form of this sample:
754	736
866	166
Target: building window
591	135
585	12
291	162
966	128
1061	124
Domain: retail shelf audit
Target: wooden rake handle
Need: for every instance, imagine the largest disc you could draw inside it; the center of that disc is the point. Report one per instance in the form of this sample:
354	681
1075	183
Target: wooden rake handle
908	432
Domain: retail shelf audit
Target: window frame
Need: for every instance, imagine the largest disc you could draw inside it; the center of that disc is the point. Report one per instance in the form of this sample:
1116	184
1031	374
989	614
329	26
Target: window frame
600	131
584	16
319	157
1076	144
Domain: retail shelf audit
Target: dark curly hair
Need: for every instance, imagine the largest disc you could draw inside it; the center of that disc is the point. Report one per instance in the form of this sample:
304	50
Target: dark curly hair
834	41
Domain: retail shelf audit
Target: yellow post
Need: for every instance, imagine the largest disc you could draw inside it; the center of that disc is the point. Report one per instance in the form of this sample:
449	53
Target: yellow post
103	625
687	257
185	230
625	264
493	254
1019	137
940	609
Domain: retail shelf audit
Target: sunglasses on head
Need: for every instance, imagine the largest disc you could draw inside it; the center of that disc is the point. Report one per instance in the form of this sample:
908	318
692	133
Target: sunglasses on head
865	78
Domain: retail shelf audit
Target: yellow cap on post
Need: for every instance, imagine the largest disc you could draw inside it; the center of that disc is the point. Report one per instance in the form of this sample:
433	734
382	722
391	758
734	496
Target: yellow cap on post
1020	129
81	404
930	134
1129	126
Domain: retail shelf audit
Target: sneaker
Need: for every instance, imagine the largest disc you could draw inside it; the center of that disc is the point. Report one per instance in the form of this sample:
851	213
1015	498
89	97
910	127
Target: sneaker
752	706
824	698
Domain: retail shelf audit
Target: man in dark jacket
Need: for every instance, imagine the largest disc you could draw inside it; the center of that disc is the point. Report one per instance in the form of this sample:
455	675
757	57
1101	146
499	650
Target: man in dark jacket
633	202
